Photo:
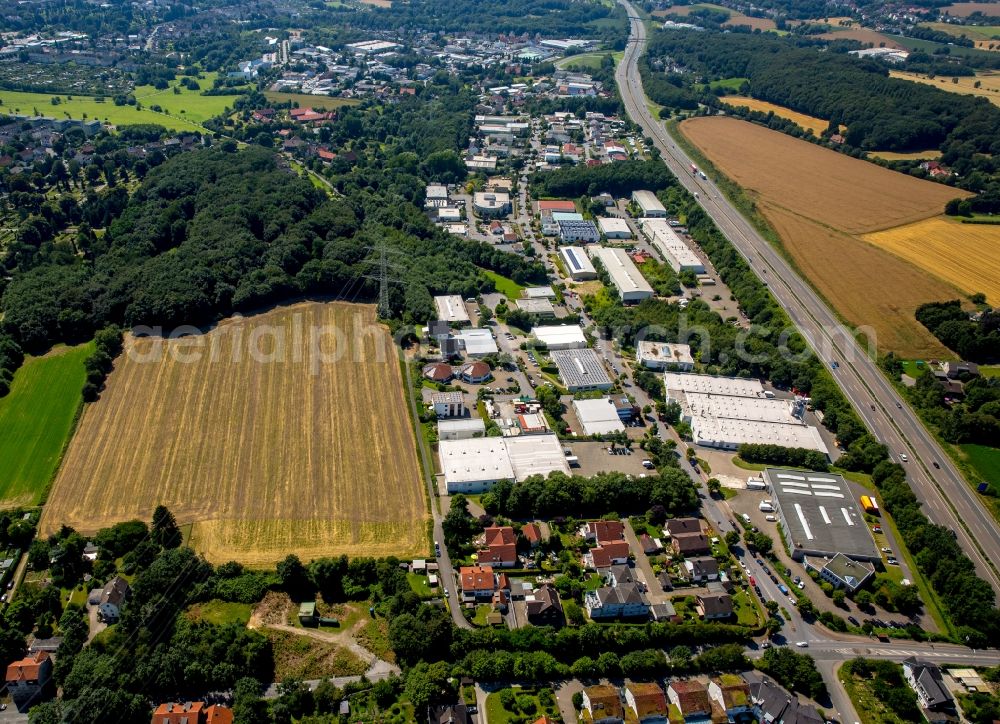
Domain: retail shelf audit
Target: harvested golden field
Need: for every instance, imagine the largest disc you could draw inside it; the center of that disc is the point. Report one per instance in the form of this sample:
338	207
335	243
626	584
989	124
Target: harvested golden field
829	187
816	125
867	285
286	432
967	255
308	100
862	35
754	23
820	202
964	10
928	155
989	83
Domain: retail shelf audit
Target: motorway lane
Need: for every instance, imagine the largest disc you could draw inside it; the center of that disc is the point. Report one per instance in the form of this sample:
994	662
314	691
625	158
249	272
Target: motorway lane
947	498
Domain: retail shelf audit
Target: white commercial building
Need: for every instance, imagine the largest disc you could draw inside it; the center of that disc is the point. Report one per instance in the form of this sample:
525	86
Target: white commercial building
491	203
464	428
436	192
563	336
631	285
661	355
598	417
539	293
473	465
477	342
449	214
536	307
675	250
648	204
451	309
614	228
726	412
578	266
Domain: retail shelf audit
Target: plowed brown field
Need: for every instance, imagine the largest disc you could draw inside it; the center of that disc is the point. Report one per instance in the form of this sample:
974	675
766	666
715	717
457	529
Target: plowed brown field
819	202
282	451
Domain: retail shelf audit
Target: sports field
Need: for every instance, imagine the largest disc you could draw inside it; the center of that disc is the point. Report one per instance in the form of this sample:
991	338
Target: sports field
306	100
186	110
821	202
281	433
989	83
816	125
967	255
36	420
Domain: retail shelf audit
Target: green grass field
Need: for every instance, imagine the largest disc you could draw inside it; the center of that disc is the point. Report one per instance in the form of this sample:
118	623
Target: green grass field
592	61
186	110
36	420
993	371
986	461
221	612
310	101
730	83
930	46
508	287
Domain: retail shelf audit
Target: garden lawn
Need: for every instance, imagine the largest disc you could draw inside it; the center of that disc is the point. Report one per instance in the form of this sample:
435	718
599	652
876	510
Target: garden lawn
986	461
36	421
508	287
221	612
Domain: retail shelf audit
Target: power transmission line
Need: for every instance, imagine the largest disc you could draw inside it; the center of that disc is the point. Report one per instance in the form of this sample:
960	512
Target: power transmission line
380	254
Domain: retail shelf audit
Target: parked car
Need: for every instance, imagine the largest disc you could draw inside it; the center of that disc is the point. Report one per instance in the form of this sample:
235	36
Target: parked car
802	644
892	561
854	621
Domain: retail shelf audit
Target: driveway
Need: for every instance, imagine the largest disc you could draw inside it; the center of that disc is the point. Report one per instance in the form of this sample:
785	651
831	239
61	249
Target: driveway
653	590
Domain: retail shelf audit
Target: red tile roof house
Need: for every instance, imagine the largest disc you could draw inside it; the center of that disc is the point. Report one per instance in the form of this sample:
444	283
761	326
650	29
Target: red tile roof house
691	698
29	681
532	533
607	555
604	531
501	547
478	583
192	712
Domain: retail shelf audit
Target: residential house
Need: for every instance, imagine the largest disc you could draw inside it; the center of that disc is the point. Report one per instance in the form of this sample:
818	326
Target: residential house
192	712
448	404
607	554
714	606
690	544
701	569
621	601
500	548
650	546
478	583
532	533
603	531
647	702
690	697
730	693
544	607
771	703
679	526
926	681
453	714
29	681
603	704
110	599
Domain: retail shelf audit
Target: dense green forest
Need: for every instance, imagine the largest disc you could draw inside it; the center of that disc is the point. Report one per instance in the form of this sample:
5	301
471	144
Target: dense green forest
881	113
974	340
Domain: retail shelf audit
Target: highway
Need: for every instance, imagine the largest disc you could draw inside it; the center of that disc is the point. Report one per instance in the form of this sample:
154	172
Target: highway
947	498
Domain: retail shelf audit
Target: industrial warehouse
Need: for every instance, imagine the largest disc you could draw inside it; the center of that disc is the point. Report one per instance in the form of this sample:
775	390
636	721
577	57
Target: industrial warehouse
577	264
581	370
561	336
631	285
451	309
649	205
598	417
473	465
675	251
819	515
726	412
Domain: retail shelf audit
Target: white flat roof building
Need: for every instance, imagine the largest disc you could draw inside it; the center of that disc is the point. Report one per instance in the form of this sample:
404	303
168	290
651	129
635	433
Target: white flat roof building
539	293
477	342
540	307
449	214
660	355
473	465
614	228
451	309
598	417
577	264
760	409
675	250
631	285
493	203
437	191
563	336
729	434
743	387
649	205
461	428
581	369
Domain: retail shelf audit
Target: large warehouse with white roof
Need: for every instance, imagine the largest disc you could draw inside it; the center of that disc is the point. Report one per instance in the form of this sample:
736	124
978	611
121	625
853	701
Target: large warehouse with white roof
648	204
451	309
631	285
581	370
819	515
474	465
675	250
577	264
598	417
560	336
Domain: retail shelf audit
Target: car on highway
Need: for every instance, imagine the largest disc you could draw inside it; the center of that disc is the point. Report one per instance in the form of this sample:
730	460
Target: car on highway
835	365
936	465
892	561
876	529
904	458
886	550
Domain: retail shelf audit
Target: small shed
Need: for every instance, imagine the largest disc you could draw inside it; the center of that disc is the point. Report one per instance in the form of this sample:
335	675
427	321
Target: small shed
307	613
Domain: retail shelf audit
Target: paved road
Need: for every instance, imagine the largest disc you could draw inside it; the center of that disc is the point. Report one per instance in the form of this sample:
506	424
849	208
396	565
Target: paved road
948	500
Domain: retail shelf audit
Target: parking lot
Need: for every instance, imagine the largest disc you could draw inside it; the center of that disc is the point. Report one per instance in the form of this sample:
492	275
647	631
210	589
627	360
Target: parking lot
594	458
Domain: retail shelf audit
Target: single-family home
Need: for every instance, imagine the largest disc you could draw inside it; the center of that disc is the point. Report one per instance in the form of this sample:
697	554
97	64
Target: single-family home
607	554
500	549
647	702
544	607
730	693
603	531
714	606
677	526
110	599
926	681
771	703
532	533
701	569
603	703
690	697
690	544
478	583
29	681
622	601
